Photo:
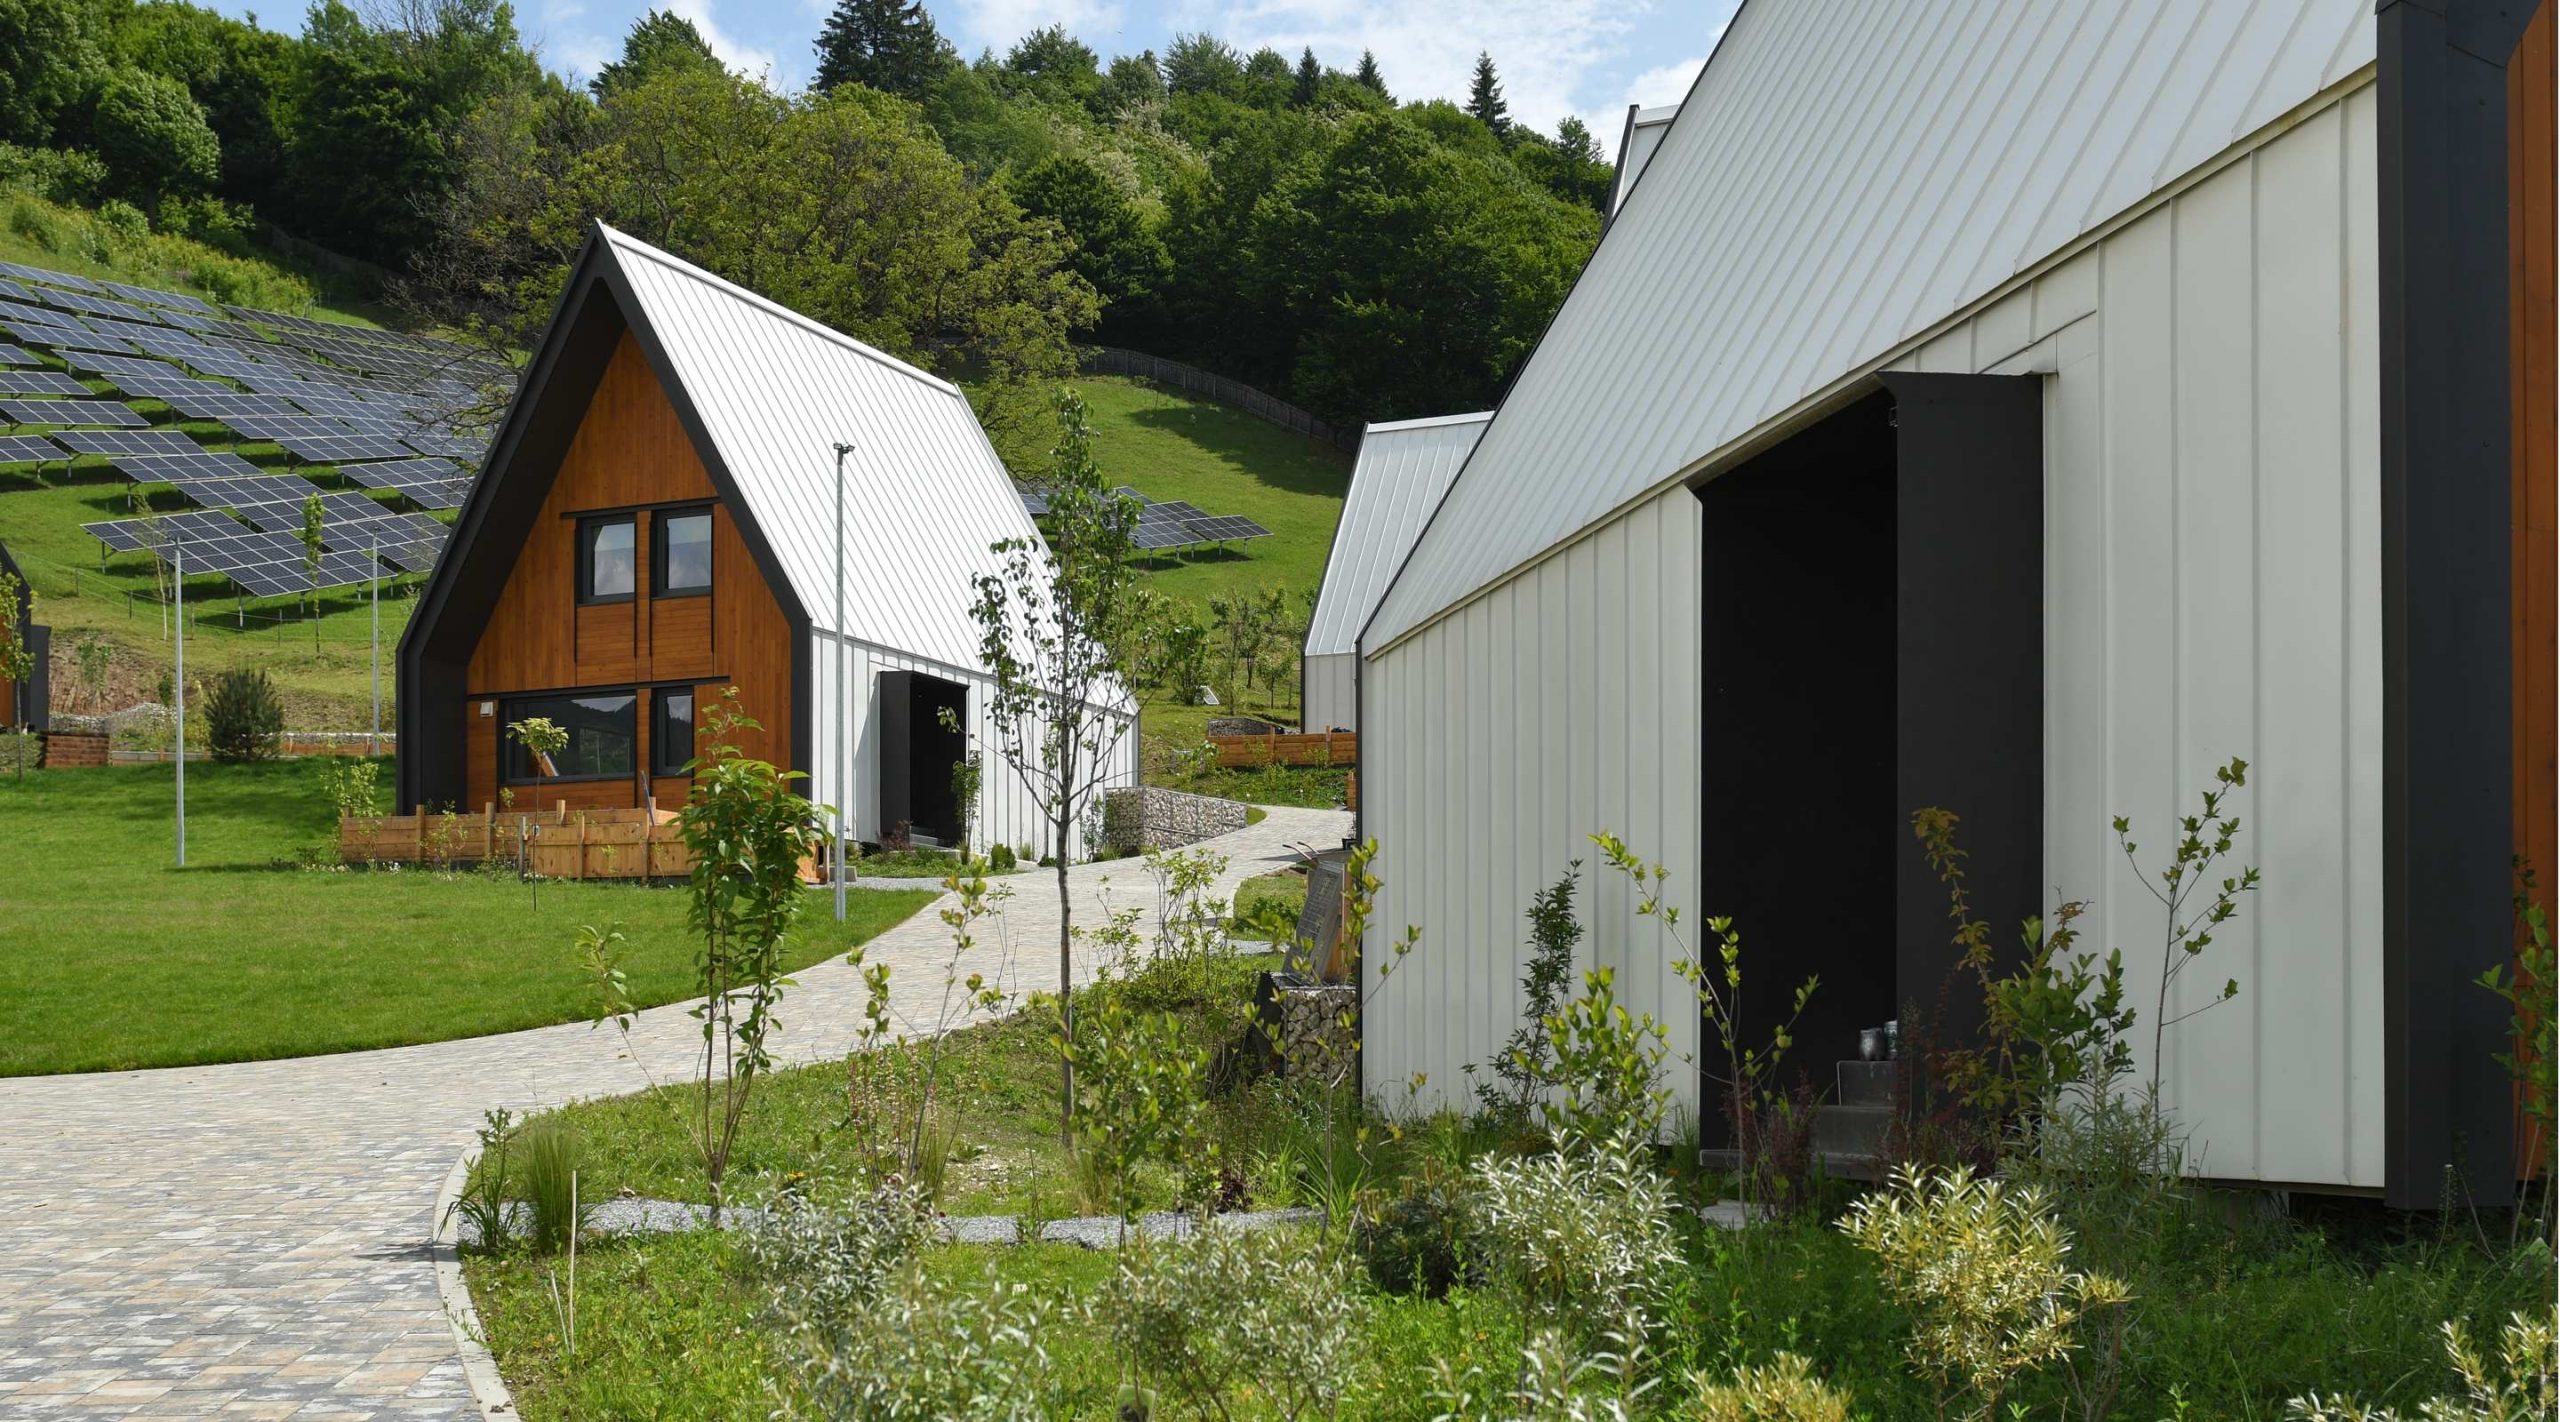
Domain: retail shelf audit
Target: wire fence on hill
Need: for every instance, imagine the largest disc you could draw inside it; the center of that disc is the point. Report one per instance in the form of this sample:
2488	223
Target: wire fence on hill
1191	379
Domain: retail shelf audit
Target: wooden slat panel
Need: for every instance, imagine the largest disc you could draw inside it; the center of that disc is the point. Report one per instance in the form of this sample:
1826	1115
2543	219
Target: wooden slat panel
630	450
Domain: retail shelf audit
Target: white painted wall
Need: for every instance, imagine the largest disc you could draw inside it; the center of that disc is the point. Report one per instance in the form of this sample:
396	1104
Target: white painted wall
2212	589
1492	744
1331	692
1007	811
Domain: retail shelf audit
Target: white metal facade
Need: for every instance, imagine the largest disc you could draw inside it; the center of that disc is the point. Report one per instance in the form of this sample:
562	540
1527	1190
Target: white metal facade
1403	469
1833	187
2212	422
927	498
1645	128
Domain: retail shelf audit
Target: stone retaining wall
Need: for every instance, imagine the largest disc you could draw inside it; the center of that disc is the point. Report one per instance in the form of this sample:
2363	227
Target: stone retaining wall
1142	817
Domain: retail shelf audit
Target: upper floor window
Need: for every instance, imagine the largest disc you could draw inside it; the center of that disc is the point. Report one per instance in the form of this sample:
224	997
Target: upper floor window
608	559
683	555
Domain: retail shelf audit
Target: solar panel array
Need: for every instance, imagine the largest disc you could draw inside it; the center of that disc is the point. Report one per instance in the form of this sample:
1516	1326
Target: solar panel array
380	405
29	449
72	412
1163	526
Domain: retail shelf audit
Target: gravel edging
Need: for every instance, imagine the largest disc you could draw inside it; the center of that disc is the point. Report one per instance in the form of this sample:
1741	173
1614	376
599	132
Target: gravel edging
479	1366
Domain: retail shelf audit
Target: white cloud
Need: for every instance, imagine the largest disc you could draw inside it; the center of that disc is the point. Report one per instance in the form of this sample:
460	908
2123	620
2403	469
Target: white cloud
1662	84
996	24
733	52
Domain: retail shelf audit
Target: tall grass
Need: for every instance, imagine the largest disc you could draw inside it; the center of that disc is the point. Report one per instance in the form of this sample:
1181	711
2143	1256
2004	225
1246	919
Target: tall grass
546	1158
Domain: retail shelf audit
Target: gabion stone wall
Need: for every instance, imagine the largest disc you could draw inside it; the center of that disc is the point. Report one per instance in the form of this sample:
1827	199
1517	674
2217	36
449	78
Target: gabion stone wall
1310	1034
1142	817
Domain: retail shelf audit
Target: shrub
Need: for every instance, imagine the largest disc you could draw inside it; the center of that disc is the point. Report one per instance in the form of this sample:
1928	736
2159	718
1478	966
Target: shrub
1200	1315
1001	859
154	136
1418	1241
929	1352
1526	1067
242	716
58	174
2523	1382
1578	1234
824	1265
1984	1271
120	224
352	787
1784	1391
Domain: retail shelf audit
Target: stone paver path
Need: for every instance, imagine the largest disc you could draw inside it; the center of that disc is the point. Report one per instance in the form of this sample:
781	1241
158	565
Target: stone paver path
252	1240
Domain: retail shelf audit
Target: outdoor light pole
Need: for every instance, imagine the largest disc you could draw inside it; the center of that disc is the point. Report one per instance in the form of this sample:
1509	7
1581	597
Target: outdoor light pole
178	597
844	706
374	746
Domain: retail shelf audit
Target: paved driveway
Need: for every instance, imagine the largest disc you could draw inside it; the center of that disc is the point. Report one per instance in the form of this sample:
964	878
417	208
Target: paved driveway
252	1240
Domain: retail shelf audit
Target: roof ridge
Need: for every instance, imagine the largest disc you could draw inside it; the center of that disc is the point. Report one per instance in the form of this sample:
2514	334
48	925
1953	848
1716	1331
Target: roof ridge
623	242
1426	422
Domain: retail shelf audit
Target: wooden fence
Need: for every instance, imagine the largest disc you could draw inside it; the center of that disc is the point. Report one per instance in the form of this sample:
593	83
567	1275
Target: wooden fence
559	843
1328	748
1111	360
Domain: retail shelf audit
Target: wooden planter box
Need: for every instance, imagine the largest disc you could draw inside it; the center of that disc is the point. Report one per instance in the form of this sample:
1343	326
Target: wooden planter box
1330	748
559	843
66	750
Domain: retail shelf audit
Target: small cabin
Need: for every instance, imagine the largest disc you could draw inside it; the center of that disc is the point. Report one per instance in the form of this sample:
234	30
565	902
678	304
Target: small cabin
662	520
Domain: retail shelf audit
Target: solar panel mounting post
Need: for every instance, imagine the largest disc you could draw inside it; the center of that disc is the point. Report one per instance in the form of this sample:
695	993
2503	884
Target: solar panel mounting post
178	682
373	746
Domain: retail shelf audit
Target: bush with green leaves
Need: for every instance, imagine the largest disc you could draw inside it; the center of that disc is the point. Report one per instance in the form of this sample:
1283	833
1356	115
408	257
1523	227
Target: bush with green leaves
1141	1092
1526	1067
929	1351
154	136
1207	1314
1784	1391
1985	1272
243	716
826	1263
1582	1236
1419	1240
353	788
2522	1382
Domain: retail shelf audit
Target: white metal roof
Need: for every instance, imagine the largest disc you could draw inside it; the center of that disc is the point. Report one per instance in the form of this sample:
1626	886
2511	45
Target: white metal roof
1836	183
1403	469
1645	128
776	391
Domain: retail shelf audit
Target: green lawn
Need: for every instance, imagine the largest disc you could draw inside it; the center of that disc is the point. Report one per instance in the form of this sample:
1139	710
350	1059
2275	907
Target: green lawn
110	958
1170	446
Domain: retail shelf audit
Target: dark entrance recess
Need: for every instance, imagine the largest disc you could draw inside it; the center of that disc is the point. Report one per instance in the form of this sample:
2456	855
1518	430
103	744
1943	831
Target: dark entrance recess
1872	640
918	754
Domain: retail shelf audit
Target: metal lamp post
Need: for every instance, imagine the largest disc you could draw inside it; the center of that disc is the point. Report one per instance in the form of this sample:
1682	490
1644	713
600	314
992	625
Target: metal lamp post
178	599
844	706
374	746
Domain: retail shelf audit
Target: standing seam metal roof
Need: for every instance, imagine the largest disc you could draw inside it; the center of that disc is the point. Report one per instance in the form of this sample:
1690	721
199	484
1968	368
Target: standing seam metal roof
1402	471
1832	187
776	391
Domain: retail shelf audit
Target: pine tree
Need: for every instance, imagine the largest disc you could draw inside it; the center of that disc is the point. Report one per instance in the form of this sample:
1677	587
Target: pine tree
660	40
1368	75
1484	99
1310	74
889	45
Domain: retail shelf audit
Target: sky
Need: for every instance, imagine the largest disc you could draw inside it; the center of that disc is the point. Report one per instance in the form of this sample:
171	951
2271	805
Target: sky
1556	57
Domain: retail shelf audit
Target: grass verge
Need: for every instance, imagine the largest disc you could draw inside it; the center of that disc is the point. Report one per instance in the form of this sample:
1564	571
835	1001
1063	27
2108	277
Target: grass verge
115	960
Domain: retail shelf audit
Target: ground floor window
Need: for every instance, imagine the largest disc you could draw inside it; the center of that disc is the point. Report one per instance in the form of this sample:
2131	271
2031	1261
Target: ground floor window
671	731
604	737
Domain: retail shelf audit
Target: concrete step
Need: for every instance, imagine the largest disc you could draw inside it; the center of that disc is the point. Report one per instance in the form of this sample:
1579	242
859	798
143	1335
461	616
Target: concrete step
1866	1083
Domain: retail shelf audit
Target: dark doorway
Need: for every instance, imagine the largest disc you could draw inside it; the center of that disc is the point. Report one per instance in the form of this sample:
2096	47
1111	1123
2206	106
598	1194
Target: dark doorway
923	738
1872	643
1799	833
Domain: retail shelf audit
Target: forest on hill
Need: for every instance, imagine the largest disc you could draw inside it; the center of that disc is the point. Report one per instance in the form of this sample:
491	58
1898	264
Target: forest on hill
1282	221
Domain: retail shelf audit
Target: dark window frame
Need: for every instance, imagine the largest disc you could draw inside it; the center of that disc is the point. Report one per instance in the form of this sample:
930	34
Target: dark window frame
512	709
659	763
587	528
658	551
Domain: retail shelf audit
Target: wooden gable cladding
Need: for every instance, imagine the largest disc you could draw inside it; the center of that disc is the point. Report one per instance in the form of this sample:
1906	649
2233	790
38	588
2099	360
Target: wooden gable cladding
630	456
2534	370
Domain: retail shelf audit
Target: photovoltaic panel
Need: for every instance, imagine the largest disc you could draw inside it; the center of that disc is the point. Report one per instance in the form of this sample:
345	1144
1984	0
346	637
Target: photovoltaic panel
29	449
65	338
343	448
429	483
165	385
154	297
127	443
1035	502
272	428
202	465
195	526
11	291
1154	536
410	541
40	382
247	492
1126	492
222	404
40	316
27	273
93	305
459	444
284	515
103	413
1230	528
110	364
11	355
